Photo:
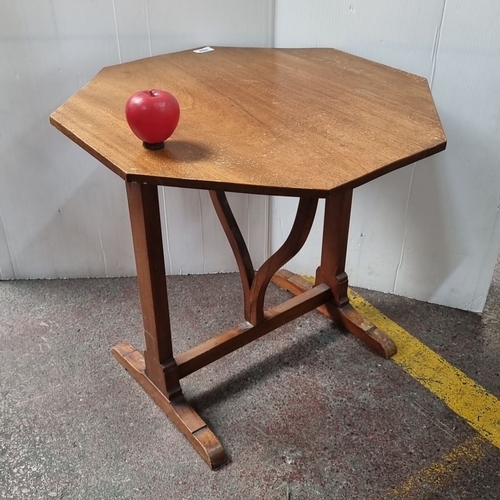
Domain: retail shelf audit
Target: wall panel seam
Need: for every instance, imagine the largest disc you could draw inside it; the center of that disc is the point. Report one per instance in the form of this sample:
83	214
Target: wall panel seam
437	42
14	271
117	33
401	257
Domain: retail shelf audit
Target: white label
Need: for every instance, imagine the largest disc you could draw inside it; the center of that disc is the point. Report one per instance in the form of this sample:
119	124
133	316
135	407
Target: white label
203	50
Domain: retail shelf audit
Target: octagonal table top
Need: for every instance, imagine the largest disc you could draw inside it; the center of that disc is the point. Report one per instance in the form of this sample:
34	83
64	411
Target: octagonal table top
293	122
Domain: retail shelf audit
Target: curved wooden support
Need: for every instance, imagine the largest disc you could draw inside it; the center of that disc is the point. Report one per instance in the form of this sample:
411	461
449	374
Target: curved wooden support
295	241
178	410
255	284
238	245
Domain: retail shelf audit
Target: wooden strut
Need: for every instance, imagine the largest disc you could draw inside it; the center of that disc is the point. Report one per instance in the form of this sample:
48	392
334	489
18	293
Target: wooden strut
217	347
158	371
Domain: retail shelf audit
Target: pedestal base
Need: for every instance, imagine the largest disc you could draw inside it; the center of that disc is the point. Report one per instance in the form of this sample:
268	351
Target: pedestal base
179	411
346	316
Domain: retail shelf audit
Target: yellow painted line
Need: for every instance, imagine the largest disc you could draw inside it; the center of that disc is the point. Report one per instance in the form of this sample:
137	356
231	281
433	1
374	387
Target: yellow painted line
441	472
479	408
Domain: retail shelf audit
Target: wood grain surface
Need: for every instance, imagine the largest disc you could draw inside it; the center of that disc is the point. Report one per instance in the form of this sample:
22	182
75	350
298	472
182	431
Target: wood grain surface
287	121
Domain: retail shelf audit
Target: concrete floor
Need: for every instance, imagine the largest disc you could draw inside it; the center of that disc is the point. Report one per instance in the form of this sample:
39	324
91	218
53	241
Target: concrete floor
306	412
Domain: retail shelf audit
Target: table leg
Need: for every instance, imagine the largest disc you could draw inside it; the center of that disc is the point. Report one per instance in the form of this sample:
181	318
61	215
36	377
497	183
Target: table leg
157	371
332	273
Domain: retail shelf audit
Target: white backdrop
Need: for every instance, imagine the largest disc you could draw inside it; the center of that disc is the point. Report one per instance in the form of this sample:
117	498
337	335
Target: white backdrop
62	214
430	231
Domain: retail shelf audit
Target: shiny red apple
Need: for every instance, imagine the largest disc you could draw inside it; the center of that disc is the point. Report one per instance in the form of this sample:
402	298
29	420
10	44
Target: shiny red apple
153	116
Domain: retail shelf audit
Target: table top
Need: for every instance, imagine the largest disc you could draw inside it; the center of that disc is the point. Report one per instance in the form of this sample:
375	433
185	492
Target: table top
293	122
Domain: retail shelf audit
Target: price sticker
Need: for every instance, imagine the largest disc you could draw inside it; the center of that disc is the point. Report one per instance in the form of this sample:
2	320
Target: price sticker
203	50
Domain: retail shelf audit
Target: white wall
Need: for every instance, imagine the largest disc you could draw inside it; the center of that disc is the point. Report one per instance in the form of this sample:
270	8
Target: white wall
62	214
429	231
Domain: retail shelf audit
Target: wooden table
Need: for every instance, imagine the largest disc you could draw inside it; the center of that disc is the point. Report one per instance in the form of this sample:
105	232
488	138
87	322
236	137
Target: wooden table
310	123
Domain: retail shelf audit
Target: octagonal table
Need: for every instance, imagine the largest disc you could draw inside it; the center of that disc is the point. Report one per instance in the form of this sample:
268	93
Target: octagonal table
310	123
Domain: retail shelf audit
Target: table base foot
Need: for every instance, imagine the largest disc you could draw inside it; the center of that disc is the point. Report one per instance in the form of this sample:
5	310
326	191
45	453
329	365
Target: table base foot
346	316
178	410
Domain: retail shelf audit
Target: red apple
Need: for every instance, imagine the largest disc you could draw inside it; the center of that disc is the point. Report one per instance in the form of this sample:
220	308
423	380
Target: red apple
153	116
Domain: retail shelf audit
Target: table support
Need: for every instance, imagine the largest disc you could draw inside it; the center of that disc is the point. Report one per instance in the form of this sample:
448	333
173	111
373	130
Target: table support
158	371
332	273
255	284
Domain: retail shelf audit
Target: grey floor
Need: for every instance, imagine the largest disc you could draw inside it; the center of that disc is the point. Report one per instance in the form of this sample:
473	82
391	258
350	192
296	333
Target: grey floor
307	412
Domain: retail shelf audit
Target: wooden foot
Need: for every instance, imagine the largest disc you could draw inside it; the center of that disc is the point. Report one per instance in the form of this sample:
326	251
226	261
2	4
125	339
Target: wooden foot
178	410
346	316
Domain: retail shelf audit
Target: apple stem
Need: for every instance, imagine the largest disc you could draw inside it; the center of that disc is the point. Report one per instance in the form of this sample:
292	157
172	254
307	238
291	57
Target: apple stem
152	93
